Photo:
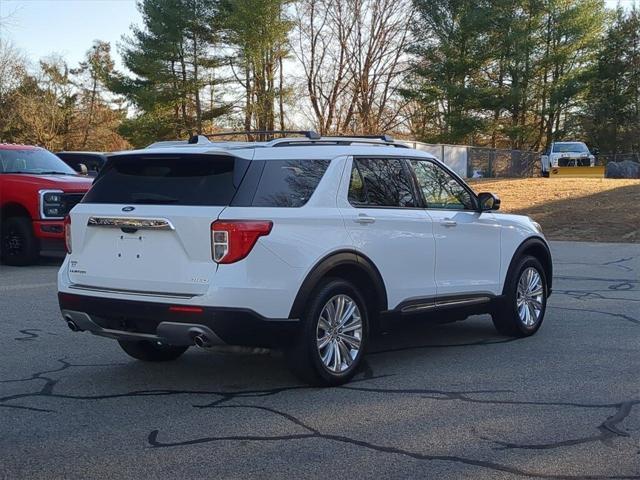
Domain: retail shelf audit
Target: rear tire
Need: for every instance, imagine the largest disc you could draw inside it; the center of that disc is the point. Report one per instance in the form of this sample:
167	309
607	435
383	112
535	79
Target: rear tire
18	244
525	301
333	335
150	351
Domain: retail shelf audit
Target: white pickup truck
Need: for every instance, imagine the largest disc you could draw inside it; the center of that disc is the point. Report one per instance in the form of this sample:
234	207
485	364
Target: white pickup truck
566	154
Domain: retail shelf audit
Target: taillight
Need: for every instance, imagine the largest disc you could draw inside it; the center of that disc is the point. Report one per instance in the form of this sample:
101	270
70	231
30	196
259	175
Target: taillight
232	240
67	233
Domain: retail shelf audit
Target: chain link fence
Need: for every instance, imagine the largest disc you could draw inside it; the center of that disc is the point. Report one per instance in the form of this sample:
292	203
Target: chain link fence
603	159
484	162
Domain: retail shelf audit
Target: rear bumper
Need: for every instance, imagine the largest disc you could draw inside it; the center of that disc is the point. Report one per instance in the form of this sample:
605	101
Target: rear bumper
135	320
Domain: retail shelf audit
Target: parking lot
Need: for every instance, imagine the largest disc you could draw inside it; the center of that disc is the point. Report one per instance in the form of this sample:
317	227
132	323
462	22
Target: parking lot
433	401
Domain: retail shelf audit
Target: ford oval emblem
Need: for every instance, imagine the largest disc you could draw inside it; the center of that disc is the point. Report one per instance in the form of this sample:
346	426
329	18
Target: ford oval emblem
128	209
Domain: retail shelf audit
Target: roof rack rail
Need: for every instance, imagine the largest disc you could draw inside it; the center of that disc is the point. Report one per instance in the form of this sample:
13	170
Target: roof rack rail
310	134
384	137
342	140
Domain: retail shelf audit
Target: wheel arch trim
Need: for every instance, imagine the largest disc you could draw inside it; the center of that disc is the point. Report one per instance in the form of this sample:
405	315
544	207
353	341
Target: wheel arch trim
14	209
528	245
331	262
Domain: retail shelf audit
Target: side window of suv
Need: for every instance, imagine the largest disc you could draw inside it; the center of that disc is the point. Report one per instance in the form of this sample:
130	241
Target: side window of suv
440	189
381	182
288	183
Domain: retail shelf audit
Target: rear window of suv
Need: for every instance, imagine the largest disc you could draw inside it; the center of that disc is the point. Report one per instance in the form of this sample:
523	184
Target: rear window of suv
207	180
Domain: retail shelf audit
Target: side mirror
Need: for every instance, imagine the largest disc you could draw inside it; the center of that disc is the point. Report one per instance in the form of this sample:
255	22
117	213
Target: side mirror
488	201
82	168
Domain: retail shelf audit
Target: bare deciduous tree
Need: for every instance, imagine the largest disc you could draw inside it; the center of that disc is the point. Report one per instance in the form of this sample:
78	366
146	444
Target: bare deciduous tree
352	55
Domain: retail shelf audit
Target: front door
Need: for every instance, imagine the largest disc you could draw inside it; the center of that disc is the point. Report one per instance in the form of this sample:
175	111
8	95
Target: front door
467	241
387	224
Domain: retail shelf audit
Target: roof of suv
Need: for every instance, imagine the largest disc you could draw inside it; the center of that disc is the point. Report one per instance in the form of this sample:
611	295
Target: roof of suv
289	147
17	146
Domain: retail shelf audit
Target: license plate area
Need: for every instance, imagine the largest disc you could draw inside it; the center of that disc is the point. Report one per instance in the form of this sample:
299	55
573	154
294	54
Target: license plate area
130	246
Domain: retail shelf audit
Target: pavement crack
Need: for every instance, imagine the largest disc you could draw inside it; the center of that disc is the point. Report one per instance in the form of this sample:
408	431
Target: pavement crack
622	316
30	334
591	295
614	263
313	433
608	430
478	343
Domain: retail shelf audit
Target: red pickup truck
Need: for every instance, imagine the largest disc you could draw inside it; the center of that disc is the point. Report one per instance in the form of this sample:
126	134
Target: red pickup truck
37	190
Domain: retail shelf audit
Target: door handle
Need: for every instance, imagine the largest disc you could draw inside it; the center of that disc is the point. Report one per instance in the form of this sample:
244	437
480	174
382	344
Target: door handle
364	219
447	222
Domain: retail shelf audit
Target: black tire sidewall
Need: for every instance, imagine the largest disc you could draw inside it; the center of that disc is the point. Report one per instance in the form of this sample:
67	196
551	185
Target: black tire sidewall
321	296
30	250
511	307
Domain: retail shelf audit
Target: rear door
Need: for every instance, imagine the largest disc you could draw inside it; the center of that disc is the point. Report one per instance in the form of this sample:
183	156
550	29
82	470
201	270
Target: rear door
145	225
387	224
467	242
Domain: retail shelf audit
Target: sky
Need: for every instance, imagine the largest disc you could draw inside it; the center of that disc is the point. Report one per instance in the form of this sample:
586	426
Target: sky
68	27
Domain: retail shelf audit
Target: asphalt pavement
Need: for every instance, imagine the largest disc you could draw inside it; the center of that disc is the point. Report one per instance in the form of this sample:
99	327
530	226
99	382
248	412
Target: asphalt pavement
432	401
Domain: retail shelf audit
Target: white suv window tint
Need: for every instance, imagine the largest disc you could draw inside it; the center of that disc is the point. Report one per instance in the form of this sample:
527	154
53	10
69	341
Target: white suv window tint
288	183
381	182
439	188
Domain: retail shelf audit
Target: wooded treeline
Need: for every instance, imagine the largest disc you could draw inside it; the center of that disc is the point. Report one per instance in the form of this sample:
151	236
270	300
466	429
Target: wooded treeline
502	73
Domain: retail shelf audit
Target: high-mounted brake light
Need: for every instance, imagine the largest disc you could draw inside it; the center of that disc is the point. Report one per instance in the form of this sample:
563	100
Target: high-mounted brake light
67	233
233	240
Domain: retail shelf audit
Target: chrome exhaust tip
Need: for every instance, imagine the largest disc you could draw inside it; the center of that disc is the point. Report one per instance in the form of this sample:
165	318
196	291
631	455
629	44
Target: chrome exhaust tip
72	325
202	341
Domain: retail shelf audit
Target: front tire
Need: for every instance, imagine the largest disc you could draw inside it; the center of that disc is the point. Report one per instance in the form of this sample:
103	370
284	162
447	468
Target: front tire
525	301
18	244
151	351
333	335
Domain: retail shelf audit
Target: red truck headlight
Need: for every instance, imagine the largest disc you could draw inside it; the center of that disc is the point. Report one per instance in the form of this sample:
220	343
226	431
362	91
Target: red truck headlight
51	204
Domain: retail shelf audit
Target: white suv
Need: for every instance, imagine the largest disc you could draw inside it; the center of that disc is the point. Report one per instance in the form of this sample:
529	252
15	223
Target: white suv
307	244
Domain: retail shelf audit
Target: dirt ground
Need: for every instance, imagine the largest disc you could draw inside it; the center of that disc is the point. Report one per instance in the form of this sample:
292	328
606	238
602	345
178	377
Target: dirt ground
582	209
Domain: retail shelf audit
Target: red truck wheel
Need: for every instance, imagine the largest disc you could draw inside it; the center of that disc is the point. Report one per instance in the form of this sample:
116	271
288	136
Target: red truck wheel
18	245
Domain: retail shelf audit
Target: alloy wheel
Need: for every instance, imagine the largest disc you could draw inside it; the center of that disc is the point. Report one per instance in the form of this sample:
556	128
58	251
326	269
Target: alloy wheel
339	333
530	296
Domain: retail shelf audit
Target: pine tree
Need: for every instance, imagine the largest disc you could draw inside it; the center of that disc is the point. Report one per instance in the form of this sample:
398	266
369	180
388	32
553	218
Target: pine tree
170	57
450	50
258	30
611	117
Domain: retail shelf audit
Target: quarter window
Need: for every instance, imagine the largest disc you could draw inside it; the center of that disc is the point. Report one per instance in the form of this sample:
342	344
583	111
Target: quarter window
288	183
440	189
381	182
